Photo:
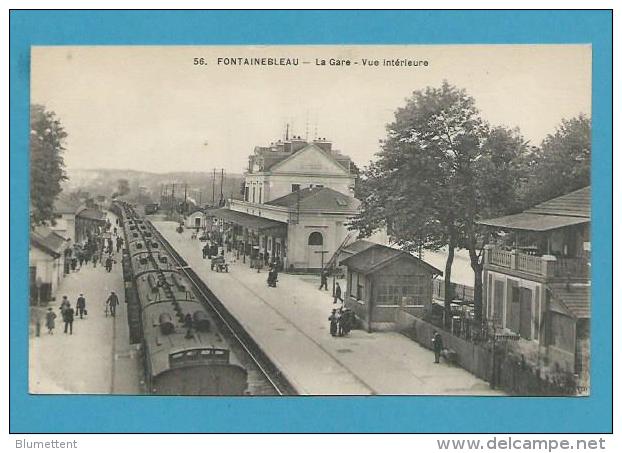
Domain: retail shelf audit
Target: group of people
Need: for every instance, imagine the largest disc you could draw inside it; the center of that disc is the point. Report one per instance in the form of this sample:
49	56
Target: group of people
99	247
68	313
273	274
341	321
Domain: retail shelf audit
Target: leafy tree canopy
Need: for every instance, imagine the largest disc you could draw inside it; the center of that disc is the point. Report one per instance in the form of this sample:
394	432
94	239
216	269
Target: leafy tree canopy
562	163
47	139
440	169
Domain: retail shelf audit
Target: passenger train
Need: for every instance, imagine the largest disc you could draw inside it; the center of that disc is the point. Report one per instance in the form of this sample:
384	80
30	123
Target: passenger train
184	353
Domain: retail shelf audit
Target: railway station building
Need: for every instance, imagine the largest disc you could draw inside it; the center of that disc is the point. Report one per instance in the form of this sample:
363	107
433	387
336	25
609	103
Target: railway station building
298	198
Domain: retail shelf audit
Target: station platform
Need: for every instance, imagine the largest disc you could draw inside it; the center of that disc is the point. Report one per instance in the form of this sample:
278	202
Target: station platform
97	358
290	323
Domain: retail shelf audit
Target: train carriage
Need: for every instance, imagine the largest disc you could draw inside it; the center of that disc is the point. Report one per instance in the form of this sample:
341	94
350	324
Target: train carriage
183	351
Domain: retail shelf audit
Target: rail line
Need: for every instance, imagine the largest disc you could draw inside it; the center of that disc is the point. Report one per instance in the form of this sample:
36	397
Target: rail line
273	377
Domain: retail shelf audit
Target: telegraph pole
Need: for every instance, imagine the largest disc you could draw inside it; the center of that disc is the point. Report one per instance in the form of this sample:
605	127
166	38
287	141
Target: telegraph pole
222	179
185	198
214	187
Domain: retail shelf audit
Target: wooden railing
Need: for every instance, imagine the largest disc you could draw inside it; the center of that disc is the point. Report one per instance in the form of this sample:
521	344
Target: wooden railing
501	258
529	264
540	266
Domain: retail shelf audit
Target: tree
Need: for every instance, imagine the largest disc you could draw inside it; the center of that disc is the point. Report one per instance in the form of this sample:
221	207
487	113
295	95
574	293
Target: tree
496	171
562	163
440	168
47	140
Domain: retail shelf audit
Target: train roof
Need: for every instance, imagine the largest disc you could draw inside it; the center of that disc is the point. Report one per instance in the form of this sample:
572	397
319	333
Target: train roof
161	346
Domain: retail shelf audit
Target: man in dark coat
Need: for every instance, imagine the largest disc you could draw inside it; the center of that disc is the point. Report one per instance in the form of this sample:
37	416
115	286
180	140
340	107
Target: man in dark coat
333	318
68	319
109	264
437	343
324	280
81	306
337	293
112	303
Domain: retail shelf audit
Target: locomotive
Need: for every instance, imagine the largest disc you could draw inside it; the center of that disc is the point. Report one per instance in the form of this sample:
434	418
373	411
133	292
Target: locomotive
184	353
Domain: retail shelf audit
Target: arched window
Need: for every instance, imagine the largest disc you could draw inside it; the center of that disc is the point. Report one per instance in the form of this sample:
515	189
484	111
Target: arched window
316	238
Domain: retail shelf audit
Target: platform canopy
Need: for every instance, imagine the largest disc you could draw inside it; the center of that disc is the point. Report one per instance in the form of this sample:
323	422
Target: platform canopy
533	222
260	224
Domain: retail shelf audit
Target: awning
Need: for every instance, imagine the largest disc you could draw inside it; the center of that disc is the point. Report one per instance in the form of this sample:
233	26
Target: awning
249	221
533	222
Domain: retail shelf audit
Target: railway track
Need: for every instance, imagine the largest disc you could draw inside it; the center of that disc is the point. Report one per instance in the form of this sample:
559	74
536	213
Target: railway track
264	377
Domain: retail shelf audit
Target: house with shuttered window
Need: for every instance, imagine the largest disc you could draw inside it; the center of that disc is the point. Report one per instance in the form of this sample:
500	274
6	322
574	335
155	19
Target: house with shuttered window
537	281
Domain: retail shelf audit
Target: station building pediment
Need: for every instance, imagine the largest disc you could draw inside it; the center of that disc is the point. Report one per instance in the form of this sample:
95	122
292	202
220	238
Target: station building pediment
310	159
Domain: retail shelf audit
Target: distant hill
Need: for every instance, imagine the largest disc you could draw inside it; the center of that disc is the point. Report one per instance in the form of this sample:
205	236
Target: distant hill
149	185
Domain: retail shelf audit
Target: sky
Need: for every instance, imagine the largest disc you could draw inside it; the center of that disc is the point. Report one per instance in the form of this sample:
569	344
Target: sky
152	109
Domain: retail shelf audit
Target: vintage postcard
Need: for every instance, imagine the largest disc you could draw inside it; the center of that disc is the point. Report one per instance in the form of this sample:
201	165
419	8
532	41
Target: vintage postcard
310	220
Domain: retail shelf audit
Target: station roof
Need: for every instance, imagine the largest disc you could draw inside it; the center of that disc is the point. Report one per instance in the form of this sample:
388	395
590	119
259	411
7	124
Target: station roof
92	214
247	220
378	256
47	240
567	210
318	199
357	246
574	299
533	222
575	204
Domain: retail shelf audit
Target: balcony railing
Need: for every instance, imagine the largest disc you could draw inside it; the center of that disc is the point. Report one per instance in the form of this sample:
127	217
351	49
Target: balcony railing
528	263
543	266
501	258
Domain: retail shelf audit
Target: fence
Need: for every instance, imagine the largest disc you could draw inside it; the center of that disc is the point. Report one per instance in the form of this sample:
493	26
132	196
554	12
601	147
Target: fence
462	292
492	363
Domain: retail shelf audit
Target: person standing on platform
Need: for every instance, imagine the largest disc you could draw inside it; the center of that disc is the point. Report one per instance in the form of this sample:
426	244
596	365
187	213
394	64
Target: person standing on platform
108	264
68	319
111	303
324	280
81	306
437	343
50	316
333	322
64	304
337	294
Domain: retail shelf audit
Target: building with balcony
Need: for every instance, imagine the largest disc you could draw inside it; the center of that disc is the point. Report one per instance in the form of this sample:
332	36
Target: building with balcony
537	282
297	202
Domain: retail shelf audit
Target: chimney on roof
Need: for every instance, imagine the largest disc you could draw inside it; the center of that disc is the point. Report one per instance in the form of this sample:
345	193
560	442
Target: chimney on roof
326	145
297	144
